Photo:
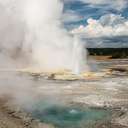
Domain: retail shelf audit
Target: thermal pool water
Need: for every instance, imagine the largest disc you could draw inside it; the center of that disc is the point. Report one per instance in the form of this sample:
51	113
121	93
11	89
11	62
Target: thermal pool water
63	116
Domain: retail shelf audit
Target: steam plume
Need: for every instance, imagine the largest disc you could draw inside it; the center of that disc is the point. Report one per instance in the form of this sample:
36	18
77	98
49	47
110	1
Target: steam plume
38	36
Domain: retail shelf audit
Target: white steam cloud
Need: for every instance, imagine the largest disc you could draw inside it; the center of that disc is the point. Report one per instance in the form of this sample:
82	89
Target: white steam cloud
32	33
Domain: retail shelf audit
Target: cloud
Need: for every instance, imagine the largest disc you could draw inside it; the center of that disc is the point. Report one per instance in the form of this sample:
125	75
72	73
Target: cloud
71	16
114	42
108	30
114	4
108	25
81	10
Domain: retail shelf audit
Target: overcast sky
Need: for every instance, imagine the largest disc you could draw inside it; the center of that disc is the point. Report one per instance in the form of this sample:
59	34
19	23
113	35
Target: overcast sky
101	23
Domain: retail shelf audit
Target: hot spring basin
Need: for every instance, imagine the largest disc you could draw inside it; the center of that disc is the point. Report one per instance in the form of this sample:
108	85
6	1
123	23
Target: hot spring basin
70	116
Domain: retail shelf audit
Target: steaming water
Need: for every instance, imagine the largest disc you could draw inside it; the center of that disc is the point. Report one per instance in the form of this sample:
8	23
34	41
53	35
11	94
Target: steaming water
52	47
70	116
33	35
33	31
78	57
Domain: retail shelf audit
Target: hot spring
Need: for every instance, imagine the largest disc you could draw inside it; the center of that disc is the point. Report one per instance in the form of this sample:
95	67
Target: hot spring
66	116
36	40
65	103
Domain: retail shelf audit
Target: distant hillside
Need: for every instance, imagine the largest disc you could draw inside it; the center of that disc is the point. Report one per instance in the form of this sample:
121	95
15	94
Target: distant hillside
114	52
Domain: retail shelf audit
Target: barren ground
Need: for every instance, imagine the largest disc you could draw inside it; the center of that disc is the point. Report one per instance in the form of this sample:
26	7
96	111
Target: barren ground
110	91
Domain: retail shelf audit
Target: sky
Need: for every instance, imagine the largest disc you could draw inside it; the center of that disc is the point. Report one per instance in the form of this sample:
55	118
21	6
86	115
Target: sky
99	23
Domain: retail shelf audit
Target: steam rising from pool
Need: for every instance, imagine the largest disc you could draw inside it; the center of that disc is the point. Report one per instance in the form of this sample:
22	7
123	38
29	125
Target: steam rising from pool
42	39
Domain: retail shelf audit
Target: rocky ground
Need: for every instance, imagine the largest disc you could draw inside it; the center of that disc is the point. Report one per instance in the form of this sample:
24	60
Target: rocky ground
13	117
109	91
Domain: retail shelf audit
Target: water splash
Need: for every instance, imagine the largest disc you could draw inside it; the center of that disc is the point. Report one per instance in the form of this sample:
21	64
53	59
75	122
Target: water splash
78	58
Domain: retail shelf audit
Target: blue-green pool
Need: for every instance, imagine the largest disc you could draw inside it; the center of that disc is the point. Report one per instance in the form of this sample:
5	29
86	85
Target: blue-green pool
70	116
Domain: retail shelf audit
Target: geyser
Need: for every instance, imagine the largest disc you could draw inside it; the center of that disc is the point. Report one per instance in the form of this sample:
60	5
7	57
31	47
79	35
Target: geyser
47	43
52	47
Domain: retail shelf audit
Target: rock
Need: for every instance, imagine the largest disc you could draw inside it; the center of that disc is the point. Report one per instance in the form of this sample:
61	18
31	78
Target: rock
122	119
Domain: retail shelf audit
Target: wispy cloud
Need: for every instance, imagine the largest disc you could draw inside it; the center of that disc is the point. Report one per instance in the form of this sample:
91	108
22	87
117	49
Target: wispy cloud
107	25
78	10
108	28
114	4
71	16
